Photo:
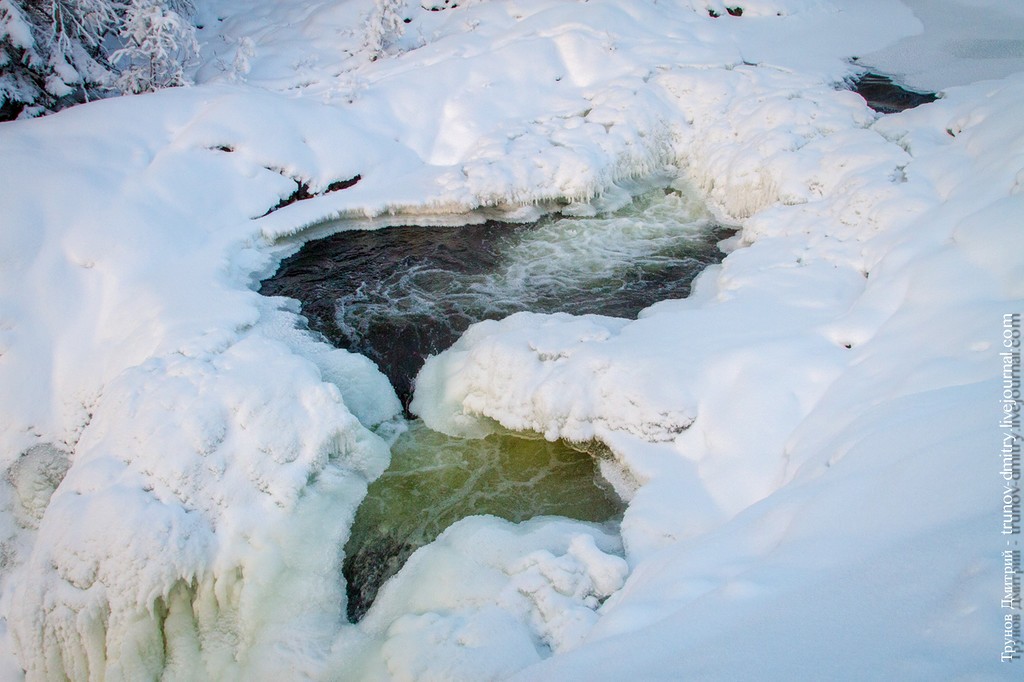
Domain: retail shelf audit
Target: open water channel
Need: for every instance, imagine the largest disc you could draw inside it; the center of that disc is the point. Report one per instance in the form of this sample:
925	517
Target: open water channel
400	294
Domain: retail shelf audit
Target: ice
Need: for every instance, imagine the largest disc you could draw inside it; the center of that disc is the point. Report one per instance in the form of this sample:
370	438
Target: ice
959	43
485	599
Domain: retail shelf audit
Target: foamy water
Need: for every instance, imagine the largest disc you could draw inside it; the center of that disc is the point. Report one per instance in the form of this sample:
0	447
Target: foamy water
400	294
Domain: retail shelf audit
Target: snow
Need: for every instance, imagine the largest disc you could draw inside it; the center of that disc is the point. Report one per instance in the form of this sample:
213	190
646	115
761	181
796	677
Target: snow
808	443
834	475
485	598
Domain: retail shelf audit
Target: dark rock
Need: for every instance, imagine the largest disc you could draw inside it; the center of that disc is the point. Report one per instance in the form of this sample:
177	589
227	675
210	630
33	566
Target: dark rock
302	192
367	570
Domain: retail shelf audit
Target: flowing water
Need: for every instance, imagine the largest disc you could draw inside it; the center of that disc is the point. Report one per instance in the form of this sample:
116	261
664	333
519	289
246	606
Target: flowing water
398	295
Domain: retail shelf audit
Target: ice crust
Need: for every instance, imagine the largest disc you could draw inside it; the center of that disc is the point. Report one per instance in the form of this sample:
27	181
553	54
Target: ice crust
808	441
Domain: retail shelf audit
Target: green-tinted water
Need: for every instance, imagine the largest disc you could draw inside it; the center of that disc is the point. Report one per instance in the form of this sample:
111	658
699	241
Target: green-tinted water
435	480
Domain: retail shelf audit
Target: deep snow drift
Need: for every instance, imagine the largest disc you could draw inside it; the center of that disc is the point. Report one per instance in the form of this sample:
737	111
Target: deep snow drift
810	443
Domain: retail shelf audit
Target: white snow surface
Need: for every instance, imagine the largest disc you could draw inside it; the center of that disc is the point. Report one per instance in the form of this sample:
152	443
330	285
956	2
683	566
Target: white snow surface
809	443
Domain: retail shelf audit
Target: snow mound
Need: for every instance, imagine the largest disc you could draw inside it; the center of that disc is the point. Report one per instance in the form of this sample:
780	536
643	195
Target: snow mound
486	599
572	388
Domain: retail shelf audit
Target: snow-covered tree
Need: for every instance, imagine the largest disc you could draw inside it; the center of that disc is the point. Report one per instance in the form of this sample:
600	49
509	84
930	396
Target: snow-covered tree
20	61
159	43
51	49
57	52
384	25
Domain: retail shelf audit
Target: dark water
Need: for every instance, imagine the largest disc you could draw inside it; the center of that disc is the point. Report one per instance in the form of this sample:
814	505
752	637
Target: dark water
398	295
435	480
888	97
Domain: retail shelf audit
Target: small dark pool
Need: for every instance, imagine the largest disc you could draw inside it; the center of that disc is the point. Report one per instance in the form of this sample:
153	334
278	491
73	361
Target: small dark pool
888	97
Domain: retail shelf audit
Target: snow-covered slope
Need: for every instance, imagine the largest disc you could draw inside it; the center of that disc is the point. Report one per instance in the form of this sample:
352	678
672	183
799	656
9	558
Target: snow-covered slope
810	442
836	488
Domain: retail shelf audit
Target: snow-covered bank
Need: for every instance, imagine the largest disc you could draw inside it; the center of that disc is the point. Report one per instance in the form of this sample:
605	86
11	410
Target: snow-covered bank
839	385
810	439
201	446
